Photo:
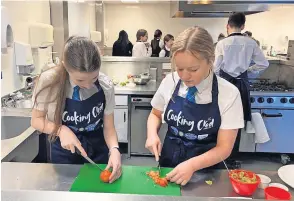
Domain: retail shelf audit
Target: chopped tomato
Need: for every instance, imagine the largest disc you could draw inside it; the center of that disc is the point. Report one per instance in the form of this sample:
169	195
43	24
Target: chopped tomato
104	176
154	175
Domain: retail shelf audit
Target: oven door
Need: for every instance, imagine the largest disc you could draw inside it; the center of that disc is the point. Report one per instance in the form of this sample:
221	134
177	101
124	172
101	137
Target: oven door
280	127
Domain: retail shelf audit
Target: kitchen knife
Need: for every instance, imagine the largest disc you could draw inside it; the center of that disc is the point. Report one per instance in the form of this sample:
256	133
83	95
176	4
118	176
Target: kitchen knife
88	159
158	166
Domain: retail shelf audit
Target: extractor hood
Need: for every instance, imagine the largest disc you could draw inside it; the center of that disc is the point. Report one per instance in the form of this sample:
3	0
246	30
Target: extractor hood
196	9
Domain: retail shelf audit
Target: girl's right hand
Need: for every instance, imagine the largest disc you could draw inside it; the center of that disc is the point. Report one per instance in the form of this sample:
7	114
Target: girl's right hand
69	140
154	145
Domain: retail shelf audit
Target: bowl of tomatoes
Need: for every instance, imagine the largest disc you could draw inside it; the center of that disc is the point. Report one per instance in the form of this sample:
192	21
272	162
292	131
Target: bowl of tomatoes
244	182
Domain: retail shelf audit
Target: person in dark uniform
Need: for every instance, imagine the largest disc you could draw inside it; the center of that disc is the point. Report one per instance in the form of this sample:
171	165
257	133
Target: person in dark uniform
122	47
74	105
233	56
168	42
203	111
156	43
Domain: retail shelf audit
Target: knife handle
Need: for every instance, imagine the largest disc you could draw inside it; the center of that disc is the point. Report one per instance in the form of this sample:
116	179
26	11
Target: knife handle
77	151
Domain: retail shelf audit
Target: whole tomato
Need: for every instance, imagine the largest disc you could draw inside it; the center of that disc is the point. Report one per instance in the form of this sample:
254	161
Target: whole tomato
104	176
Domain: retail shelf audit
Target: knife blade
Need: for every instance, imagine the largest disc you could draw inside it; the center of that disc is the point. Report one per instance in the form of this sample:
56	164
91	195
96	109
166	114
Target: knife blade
88	159
158	166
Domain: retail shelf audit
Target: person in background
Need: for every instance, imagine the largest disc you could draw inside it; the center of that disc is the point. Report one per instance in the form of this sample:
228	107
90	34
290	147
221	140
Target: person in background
156	43
168	42
233	56
249	34
142	48
122	47
219	38
203	111
74	105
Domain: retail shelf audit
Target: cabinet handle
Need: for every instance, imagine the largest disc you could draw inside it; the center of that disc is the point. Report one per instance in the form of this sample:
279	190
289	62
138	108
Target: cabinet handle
271	115
125	118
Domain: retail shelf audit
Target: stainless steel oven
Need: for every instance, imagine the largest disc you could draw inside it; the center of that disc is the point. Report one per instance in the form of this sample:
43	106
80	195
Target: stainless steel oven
280	127
140	110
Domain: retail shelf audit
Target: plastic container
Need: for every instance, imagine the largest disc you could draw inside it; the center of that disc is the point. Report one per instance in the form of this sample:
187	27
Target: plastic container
244	189
264	181
275	193
278	185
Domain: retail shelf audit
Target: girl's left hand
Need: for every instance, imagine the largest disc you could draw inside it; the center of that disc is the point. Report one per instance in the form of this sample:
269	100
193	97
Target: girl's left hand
182	173
114	162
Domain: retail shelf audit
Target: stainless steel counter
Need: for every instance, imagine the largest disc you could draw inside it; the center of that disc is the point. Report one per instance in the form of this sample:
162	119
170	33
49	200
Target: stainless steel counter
7	195
51	177
148	89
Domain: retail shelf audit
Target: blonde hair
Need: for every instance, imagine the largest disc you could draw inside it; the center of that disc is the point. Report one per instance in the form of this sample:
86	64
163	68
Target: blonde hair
197	41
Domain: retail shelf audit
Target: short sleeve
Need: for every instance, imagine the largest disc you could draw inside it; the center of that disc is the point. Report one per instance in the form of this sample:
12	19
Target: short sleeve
41	93
232	116
158	100
110	101
108	89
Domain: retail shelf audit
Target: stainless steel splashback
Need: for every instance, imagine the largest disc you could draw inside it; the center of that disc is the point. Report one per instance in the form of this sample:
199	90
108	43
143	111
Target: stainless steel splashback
59	20
120	67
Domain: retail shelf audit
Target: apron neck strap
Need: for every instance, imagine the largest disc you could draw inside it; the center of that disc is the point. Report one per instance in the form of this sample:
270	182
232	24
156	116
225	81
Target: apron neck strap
235	34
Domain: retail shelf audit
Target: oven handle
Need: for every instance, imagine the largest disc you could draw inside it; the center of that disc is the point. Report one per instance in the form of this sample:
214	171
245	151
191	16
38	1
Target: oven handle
271	115
143	108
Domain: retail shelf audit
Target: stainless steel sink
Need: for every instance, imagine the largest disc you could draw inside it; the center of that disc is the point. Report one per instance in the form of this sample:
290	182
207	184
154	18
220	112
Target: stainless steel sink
12	126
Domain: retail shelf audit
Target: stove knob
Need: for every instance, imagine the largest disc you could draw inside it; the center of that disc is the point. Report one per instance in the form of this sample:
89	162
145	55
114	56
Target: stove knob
291	100
270	100
283	100
252	100
260	100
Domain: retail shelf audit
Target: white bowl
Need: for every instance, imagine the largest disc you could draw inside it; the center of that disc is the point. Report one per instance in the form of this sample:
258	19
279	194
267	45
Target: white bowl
278	185
264	181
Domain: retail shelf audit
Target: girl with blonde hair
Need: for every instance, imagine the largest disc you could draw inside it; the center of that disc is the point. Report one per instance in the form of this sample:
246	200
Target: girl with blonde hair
203	111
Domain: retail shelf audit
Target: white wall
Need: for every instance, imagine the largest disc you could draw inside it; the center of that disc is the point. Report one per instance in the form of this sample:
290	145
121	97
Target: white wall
273	26
21	13
151	17
268	27
81	18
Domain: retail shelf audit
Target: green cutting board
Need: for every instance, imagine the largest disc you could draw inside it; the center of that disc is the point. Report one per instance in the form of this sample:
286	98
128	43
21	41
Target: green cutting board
133	181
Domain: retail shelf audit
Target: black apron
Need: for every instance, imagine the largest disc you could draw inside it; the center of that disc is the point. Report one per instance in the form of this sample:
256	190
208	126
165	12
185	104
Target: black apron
242	83
155	47
192	128
85	119
167	53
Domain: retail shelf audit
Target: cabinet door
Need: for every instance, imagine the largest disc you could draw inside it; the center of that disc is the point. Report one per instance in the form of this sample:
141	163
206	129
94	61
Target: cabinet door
121	123
279	124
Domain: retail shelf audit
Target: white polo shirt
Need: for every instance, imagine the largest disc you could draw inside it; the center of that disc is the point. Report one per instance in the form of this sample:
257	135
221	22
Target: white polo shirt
140	50
47	96
229	100
234	54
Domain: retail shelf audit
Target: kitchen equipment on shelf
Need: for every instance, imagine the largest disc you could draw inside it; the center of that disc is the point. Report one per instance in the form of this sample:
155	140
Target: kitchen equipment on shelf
141	79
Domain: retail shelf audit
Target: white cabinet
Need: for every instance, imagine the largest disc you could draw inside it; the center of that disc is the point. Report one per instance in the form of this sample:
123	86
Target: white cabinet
121	123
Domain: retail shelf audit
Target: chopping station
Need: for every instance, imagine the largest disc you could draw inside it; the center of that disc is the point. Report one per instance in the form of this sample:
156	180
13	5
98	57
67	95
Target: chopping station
25	178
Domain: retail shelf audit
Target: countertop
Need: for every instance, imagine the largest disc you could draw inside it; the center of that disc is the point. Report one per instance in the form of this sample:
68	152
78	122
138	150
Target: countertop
59	177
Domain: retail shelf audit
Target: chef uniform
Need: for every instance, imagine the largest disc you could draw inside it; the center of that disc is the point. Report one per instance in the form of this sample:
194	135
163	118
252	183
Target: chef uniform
233	56
83	114
194	116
